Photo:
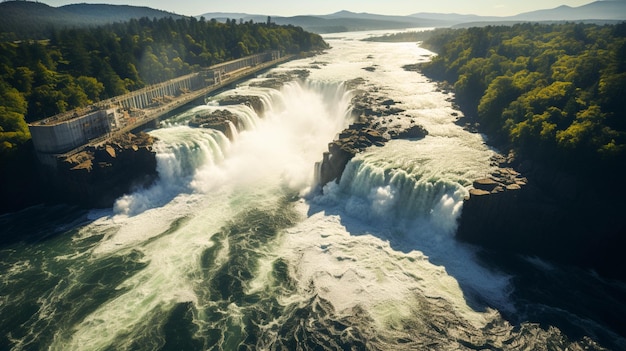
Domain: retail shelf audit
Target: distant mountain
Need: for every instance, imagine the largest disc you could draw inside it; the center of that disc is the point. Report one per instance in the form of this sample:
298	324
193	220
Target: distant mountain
454	18
602	10
27	19
115	13
370	16
223	16
341	21
599	11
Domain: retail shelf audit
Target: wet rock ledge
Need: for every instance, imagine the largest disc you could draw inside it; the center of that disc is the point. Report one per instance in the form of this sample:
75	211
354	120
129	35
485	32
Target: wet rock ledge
222	120
547	214
378	122
98	175
219	120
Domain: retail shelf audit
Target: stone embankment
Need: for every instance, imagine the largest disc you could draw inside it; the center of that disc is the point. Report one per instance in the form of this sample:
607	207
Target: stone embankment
98	175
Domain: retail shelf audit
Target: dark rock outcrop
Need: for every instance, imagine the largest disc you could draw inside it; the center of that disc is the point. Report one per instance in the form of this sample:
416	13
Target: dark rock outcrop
250	100
219	120
355	139
378	122
413	132
98	175
368	107
549	215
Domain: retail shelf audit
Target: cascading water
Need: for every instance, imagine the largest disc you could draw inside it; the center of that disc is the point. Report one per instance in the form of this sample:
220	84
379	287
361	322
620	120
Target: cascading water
181	151
232	248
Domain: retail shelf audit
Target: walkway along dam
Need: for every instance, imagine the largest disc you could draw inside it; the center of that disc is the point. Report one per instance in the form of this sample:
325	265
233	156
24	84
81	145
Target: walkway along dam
63	135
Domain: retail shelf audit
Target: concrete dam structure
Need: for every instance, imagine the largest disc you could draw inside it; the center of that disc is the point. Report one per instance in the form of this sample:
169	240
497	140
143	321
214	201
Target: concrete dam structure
67	133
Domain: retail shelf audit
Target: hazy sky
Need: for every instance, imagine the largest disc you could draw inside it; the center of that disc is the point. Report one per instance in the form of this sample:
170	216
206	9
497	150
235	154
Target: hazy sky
323	7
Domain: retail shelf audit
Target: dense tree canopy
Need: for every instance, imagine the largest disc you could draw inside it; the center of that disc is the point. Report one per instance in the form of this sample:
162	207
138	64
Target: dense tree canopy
553	92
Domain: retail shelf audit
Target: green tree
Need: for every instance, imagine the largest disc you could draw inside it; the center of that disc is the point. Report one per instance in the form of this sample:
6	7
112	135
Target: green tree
13	128
500	93
553	92
91	87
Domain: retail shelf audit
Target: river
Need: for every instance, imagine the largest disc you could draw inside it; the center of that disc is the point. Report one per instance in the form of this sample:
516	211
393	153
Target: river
235	246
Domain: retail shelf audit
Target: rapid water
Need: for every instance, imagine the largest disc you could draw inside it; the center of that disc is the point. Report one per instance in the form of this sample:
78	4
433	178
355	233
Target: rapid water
236	247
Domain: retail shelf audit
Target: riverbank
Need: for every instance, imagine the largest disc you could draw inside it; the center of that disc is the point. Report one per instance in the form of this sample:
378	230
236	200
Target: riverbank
556	216
98	175
549	213
523	207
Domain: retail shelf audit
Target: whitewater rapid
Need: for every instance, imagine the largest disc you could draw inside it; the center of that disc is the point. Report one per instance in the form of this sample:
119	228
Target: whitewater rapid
236	247
395	205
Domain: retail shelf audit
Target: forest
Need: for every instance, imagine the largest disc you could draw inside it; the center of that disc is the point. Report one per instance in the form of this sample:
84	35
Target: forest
76	67
409	36
554	93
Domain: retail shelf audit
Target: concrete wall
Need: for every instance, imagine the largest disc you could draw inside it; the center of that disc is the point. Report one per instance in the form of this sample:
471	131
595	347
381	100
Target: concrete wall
150	96
64	136
65	132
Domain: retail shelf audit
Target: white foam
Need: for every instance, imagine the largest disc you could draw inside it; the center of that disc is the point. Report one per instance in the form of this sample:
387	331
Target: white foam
365	270
385	234
204	182
410	194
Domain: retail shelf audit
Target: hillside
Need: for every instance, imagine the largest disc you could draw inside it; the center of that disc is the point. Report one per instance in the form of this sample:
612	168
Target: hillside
34	20
604	10
27	19
342	21
551	97
553	93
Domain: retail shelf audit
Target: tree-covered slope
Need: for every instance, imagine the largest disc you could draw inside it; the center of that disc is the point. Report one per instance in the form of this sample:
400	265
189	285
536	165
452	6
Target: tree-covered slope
554	93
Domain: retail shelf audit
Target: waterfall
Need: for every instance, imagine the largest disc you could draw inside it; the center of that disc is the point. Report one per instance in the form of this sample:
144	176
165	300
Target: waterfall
409	180
398	193
282	143
410	194
180	152
233	130
229	248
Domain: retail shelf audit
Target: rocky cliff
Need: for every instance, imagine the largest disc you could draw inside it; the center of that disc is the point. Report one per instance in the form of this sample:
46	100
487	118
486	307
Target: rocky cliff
98	175
548	214
352	140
